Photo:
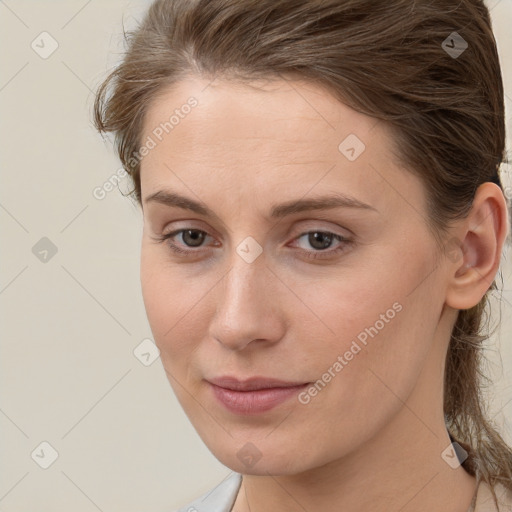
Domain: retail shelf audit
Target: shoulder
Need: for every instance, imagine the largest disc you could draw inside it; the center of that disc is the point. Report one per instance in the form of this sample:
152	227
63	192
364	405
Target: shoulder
219	499
485	501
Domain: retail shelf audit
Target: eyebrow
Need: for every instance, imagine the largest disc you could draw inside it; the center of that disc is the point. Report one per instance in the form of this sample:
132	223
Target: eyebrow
327	202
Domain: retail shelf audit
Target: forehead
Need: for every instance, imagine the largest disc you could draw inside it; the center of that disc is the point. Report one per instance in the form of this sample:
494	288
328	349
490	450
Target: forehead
273	135
281	113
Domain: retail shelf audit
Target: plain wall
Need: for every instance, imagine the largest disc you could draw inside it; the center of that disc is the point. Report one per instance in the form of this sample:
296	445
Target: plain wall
70	325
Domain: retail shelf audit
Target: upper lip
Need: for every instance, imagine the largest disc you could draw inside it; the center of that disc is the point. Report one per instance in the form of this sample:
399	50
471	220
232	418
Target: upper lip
252	383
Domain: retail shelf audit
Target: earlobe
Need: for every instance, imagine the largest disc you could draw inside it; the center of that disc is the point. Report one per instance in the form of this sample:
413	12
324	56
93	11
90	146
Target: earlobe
481	236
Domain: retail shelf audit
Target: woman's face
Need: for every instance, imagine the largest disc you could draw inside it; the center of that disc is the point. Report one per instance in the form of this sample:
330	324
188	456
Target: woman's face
347	297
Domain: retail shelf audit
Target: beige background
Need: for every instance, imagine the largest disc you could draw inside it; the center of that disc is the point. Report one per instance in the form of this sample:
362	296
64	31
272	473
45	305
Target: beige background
70	325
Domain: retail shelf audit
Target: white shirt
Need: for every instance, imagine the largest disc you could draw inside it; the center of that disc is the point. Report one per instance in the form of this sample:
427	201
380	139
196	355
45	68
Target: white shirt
219	499
222	498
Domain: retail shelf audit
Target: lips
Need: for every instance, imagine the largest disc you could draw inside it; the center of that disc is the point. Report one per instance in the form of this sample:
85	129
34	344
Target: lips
254	395
252	383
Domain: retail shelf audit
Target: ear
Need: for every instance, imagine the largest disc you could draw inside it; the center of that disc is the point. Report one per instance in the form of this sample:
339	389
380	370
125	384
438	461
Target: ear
474	251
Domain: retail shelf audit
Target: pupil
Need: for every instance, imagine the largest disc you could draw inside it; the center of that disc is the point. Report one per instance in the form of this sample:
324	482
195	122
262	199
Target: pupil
196	239
324	238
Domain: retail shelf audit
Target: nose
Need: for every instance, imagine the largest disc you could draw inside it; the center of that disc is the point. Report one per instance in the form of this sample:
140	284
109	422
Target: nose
247	305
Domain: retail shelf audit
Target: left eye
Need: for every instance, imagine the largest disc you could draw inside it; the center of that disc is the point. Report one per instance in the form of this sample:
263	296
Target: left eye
319	240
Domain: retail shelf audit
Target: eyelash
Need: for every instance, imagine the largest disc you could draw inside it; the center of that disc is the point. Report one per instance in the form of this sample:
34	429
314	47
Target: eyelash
314	255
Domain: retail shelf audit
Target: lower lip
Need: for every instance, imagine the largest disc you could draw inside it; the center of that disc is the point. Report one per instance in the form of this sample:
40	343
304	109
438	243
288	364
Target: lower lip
254	402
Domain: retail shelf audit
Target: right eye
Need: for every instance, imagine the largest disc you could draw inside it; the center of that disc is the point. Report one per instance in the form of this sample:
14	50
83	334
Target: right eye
191	236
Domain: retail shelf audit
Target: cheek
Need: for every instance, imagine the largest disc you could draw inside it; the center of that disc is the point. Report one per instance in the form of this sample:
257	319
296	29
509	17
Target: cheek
162	297
381	356
174	308
350	303
371	319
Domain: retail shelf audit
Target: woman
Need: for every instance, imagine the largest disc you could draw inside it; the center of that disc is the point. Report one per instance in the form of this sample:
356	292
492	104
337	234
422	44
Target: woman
323	223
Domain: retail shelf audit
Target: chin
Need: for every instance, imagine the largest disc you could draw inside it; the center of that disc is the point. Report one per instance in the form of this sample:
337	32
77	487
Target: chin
262	467
252	458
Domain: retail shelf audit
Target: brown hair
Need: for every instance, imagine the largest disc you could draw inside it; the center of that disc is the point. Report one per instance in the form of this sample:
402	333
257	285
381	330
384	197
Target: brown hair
397	61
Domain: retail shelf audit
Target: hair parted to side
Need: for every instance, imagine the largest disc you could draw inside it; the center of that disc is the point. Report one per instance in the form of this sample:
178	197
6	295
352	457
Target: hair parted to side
383	59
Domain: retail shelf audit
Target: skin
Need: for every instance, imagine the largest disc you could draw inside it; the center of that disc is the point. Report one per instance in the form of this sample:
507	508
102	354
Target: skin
372	438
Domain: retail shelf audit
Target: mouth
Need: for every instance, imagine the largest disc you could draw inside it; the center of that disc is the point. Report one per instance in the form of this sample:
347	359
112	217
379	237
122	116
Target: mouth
254	395
252	383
